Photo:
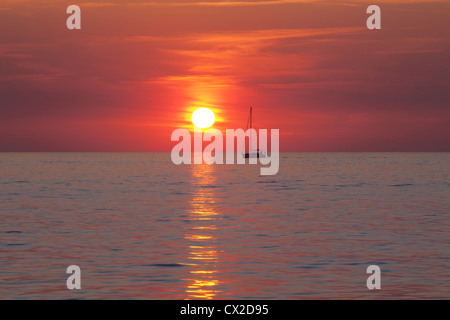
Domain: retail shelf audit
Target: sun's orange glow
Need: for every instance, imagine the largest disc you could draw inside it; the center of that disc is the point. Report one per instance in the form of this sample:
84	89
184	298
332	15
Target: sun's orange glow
203	118
299	63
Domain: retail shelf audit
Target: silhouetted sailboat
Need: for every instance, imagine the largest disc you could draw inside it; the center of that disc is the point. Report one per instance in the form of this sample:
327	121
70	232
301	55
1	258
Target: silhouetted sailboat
252	154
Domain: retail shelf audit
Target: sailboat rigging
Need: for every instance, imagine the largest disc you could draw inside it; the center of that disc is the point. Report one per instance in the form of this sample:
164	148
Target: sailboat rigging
252	154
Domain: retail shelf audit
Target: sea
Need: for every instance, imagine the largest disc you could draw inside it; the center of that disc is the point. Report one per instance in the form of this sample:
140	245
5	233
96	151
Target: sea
140	227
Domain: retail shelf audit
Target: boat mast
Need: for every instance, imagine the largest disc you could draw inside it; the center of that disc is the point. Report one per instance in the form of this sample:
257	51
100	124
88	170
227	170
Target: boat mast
251	116
251	126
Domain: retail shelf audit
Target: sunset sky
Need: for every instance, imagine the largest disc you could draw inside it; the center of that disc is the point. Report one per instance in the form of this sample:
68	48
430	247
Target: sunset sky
137	69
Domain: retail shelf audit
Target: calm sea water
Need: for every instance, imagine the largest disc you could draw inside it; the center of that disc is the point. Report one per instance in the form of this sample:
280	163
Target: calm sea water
140	227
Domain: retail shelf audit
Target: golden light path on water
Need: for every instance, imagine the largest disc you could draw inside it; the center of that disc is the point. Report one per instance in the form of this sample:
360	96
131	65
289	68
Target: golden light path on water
202	280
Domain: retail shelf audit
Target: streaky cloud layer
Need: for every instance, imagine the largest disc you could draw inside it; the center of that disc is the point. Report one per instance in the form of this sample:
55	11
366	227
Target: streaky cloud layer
138	69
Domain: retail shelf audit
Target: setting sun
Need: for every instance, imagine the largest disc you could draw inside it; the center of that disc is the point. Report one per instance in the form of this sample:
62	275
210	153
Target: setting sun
203	118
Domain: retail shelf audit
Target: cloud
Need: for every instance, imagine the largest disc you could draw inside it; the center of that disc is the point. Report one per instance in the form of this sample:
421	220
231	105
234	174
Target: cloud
311	69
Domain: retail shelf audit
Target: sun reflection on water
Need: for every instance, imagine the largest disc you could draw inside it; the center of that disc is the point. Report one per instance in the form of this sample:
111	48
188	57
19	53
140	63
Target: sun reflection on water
203	252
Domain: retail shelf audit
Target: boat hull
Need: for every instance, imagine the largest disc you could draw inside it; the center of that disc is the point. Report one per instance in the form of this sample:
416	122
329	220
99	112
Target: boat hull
254	155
